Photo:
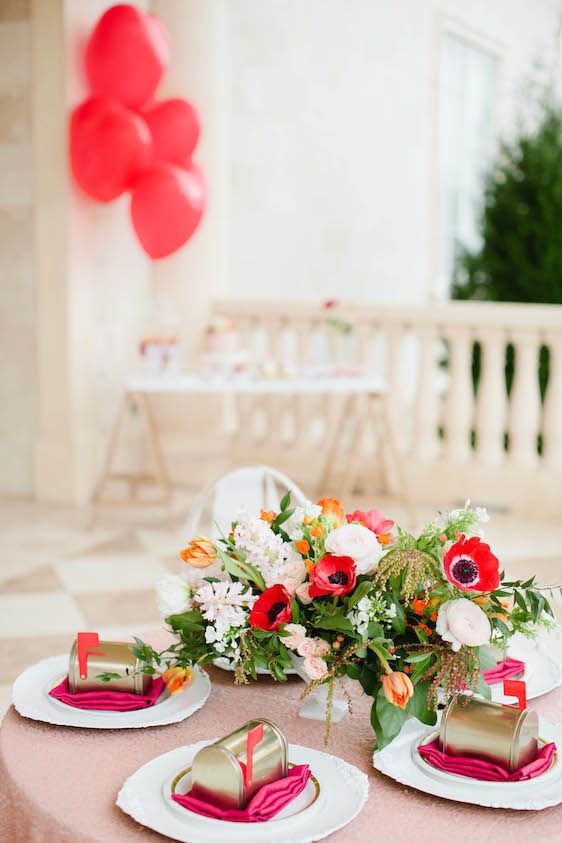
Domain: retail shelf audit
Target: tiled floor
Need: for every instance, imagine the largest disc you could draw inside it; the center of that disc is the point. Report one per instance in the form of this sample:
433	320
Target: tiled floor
58	575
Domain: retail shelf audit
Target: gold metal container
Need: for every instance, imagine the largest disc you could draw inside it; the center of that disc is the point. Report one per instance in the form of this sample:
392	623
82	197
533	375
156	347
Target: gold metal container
230	771
97	657
499	733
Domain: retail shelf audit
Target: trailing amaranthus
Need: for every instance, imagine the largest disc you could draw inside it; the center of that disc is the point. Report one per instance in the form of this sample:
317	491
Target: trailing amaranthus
420	571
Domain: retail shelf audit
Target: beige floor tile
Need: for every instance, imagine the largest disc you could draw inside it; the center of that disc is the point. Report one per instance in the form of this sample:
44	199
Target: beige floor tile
37	615
115	573
20	653
137	608
40	579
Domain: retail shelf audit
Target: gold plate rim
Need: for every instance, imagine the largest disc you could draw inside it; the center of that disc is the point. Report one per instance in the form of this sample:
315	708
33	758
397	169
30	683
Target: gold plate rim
432	735
313	779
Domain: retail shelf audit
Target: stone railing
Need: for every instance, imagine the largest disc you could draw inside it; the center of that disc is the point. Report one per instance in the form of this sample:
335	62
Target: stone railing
462	434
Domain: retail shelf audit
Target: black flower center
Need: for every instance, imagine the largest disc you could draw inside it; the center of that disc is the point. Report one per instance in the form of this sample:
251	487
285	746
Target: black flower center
465	571
274	611
339	578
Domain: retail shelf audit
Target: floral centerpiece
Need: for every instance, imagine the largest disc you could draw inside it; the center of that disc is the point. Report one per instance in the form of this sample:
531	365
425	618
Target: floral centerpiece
349	595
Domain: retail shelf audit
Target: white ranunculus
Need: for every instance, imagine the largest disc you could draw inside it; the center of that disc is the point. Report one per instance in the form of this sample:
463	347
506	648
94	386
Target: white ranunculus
462	622
359	543
173	595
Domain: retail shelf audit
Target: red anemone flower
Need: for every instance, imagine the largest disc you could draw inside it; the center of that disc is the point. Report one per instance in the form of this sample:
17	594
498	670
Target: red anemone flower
471	565
332	575
272	608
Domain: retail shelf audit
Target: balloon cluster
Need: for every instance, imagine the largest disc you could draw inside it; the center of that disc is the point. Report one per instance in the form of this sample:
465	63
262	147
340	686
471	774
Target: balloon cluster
122	140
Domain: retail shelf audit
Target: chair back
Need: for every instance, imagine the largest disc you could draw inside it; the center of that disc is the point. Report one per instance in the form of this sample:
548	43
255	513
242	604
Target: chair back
250	488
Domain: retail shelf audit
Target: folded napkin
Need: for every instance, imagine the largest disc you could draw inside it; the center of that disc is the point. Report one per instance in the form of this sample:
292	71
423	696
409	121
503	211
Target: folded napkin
267	802
476	768
503	670
107	700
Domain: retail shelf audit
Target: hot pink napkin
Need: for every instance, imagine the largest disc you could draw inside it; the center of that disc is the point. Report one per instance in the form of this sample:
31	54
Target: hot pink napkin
475	768
503	670
107	700
267	802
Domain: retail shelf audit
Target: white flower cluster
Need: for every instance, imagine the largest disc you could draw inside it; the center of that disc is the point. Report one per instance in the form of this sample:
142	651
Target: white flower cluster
173	595
276	560
471	518
225	605
293	526
369	609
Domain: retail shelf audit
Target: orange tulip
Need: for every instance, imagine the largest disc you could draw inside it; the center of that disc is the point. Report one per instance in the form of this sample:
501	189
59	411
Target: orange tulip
332	509
316	531
267	515
199	553
397	688
302	546
177	679
309	566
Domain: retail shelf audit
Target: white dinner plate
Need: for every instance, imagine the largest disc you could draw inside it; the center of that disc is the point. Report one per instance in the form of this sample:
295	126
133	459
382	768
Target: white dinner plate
543	672
331	801
31	698
398	761
227	664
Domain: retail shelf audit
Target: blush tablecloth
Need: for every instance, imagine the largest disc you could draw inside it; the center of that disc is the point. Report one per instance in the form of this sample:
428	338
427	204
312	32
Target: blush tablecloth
59	784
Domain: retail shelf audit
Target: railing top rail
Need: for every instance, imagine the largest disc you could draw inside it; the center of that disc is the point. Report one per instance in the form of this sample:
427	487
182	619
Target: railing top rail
473	314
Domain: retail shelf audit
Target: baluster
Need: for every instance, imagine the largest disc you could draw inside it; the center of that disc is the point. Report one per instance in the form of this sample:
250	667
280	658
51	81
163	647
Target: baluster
525	402
459	404
491	400
426	441
363	347
552	453
393	336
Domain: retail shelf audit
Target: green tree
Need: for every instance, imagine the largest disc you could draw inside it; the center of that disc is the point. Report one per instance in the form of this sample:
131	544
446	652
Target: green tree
521	255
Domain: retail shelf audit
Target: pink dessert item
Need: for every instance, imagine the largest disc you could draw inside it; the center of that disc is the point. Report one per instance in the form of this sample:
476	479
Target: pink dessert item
267	802
503	670
476	768
107	700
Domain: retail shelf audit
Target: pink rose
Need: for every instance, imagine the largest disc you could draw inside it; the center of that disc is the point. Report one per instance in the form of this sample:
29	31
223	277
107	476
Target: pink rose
297	634
315	667
373	519
307	647
290	584
302	593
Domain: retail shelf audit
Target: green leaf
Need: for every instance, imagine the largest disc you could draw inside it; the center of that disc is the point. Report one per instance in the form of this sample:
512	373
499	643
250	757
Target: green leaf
483	688
369	680
375	630
360	592
520	600
242	570
339	623
399	620
281	518
389	719
417	705
486	658
285	501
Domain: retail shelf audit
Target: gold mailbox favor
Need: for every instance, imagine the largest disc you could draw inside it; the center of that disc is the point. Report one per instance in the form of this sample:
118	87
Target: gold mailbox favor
89	657
499	733
230	771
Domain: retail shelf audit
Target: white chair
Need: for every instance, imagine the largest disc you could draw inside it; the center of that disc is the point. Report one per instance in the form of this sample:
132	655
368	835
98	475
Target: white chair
250	488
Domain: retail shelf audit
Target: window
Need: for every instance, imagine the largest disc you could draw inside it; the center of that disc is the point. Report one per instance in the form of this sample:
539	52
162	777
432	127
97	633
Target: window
467	142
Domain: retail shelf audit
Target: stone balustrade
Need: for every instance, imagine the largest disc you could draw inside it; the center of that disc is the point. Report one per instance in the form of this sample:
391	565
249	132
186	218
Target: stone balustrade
460	434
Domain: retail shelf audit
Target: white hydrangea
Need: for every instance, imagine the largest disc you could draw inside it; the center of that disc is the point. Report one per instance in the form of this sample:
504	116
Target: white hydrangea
173	595
225	605
276	560
472	518
373	608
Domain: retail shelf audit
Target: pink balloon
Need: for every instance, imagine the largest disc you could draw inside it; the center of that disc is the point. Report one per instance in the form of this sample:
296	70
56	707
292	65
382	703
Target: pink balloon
175	129
167	204
126	55
109	147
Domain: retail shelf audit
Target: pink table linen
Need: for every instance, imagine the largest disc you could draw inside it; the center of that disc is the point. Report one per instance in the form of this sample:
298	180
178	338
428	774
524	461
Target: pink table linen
59	785
476	768
508	669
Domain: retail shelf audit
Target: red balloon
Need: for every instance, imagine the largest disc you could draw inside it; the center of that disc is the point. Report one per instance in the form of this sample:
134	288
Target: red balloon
175	129
126	55
167	204
109	146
